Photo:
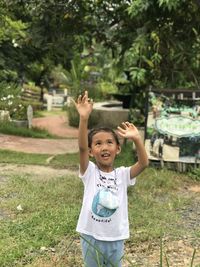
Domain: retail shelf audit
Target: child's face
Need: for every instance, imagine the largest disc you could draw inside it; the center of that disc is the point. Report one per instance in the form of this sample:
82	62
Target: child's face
104	149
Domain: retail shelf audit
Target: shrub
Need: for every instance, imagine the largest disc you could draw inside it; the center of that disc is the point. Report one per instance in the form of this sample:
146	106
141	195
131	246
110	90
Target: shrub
136	117
195	174
10	99
16	99
74	118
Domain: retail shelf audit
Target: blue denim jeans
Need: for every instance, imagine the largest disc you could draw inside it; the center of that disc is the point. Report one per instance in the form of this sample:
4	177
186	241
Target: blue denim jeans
98	253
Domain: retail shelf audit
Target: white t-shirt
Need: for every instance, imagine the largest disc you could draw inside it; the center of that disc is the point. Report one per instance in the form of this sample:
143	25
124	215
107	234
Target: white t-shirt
100	222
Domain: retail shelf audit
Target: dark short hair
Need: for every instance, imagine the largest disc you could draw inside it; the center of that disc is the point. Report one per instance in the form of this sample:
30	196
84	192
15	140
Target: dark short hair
94	131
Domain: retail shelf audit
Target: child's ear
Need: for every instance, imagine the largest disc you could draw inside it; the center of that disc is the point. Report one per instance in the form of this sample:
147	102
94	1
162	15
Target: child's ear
118	150
90	152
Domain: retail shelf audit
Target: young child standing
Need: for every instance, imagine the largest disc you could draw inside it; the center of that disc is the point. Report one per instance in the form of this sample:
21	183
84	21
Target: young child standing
103	221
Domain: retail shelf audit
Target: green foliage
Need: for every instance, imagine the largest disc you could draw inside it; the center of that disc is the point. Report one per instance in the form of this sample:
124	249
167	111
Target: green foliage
7	93
96	70
15	99
10	100
169	4
12	39
73	117
195	174
138	75
135	43
59	77
74	77
161	49
14	30
136	117
107	88
35	70
99	70
138	7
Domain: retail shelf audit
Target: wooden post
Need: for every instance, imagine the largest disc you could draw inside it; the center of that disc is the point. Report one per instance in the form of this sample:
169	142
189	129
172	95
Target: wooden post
30	116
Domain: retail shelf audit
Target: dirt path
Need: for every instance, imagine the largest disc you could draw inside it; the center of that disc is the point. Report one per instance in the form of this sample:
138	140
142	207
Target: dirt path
36	145
57	125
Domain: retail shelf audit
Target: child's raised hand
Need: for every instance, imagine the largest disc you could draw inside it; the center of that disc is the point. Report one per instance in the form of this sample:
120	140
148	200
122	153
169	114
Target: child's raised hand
84	105
129	131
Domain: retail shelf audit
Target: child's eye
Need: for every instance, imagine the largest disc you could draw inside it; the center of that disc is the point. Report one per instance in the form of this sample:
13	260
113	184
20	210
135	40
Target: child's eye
110	142
98	143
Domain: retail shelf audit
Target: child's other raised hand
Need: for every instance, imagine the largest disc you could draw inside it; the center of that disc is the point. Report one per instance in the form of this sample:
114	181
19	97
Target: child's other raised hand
84	105
129	131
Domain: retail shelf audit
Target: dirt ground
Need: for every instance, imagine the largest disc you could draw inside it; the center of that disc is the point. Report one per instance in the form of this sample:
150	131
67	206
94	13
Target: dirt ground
38	146
57	125
40	172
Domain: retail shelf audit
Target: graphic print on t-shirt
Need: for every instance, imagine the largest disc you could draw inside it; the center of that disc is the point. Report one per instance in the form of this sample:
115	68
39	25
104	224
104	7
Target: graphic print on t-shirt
100	210
106	194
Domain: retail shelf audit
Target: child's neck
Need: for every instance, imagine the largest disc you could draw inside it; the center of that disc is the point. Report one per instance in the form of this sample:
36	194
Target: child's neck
105	168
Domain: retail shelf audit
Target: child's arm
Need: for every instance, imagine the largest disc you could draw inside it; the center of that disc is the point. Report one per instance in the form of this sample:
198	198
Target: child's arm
129	131
84	107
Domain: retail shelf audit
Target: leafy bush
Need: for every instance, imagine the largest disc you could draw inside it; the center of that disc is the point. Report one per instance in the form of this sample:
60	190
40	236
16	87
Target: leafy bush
20	112
10	99
136	117
16	99
195	174
106	89
74	118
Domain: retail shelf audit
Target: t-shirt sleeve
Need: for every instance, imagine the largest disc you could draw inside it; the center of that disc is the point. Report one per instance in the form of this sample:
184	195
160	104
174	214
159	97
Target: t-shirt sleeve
125	173
132	181
90	169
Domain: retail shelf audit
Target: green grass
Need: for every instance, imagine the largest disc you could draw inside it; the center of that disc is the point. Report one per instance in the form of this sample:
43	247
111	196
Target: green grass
7	156
51	207
61	161
46	113
11	129
70	161
50	211
156	196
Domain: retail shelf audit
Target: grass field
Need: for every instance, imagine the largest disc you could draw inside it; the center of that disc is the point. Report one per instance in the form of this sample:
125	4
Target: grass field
38	214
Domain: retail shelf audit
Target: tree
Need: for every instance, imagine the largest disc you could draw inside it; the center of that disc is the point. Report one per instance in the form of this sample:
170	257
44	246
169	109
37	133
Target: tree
167	46
12	37
158	39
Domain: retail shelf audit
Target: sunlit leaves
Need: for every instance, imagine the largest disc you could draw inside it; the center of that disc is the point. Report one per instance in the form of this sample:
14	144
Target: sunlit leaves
170	4
137	7
138	75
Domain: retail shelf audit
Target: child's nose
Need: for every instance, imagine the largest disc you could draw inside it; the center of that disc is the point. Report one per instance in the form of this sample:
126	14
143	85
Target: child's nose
104	146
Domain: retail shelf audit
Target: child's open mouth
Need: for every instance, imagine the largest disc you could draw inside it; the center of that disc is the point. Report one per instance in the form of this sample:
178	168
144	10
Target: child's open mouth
105	155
